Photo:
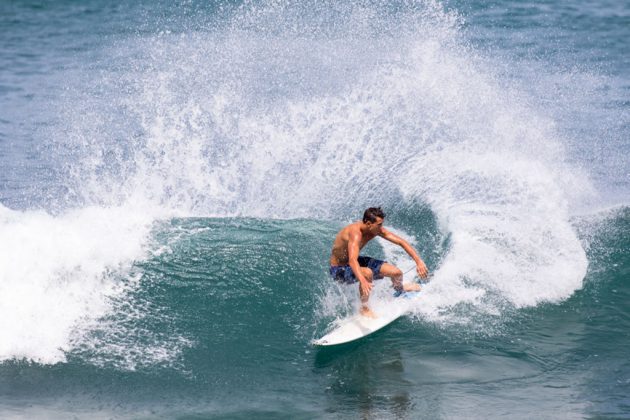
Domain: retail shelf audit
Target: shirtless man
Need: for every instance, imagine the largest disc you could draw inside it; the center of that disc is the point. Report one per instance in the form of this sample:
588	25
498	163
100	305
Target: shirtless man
346	266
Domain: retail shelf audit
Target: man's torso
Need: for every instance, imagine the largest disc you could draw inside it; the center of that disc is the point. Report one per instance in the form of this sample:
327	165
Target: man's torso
339	253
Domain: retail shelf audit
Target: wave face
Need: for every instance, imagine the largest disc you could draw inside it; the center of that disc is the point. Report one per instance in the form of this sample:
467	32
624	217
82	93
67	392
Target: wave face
194	162
219	321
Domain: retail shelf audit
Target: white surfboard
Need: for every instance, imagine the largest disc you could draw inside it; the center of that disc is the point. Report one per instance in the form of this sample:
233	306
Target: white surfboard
358	326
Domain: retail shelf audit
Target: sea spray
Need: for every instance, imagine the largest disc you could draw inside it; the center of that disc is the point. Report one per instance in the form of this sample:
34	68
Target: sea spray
295	111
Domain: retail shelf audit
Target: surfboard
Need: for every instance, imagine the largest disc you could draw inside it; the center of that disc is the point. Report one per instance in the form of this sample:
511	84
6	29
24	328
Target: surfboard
357	326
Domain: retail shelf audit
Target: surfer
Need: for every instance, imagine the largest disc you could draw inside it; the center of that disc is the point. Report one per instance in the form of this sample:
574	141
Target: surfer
347	266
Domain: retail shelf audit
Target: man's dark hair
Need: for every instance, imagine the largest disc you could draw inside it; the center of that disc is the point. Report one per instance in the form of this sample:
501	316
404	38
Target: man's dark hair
372	213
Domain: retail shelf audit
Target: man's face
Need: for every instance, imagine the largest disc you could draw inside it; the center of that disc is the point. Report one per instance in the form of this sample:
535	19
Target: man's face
375	227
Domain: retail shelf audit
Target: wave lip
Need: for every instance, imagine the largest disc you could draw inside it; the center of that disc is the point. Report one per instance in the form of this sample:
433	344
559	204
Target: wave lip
509	226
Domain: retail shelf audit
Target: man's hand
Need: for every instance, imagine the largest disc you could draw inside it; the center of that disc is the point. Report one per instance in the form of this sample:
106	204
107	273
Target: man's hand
421	269
366	287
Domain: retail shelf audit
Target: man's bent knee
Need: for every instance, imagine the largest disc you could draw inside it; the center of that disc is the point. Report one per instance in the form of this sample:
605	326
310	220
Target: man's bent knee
390	270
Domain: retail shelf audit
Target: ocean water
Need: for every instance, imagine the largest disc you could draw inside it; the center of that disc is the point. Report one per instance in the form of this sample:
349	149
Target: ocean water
172	175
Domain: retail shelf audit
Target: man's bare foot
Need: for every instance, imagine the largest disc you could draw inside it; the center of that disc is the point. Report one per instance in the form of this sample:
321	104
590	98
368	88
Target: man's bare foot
411	287
367	312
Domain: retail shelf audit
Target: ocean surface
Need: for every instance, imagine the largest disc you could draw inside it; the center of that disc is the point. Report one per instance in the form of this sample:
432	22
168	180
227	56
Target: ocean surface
173	173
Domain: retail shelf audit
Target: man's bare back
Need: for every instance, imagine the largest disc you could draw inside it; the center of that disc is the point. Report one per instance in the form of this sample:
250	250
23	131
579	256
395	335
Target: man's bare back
348	267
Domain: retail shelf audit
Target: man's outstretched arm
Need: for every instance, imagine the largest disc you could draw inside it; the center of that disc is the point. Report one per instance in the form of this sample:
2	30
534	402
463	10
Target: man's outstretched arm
421	267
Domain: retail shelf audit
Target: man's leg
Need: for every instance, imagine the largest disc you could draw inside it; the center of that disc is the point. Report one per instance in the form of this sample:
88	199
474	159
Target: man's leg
394	273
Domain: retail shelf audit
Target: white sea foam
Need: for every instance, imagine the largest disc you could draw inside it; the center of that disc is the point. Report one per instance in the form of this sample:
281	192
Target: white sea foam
58	273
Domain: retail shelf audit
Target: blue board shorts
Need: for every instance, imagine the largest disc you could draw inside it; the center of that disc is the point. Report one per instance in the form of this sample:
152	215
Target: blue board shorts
344	274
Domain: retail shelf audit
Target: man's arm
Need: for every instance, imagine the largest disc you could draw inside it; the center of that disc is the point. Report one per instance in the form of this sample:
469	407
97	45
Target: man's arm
353	261
421	268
